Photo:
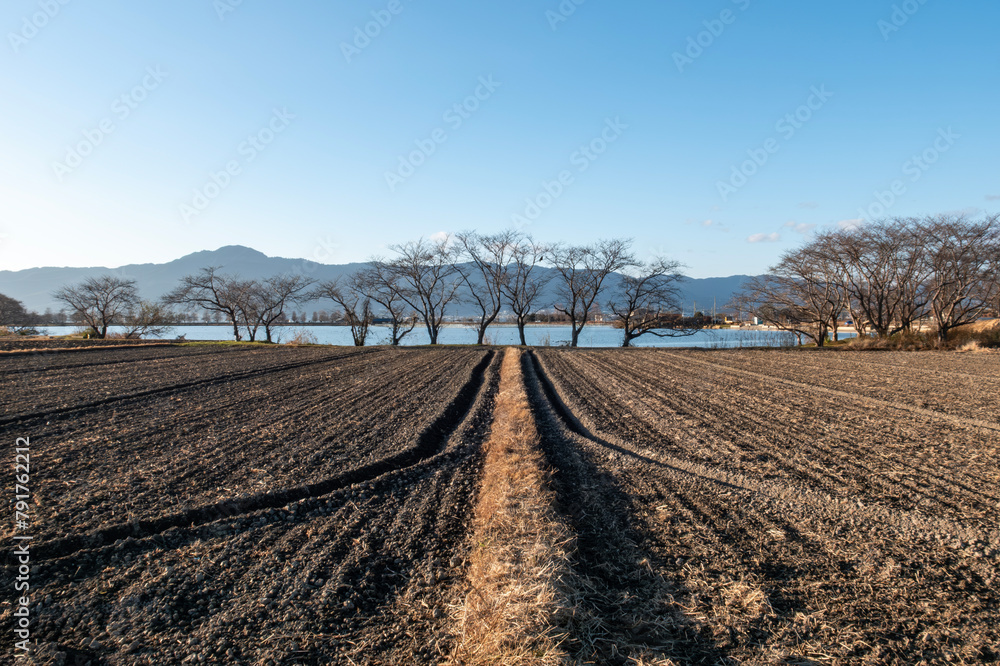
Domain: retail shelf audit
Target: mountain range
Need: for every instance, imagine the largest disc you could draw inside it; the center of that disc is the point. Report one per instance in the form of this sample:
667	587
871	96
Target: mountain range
34	286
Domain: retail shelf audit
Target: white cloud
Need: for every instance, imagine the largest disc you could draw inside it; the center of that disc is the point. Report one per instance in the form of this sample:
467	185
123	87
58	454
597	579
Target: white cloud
850	224
963	212
440	237
799	227
764	238
712	224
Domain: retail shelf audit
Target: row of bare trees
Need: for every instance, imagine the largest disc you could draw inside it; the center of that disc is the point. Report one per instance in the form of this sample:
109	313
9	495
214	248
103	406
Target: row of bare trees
419	284
887	276
491	271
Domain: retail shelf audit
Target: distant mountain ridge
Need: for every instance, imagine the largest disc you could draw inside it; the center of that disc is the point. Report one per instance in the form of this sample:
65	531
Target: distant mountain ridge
34	286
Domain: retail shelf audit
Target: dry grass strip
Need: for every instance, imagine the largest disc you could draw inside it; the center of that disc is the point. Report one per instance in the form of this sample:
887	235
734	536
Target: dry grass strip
520	558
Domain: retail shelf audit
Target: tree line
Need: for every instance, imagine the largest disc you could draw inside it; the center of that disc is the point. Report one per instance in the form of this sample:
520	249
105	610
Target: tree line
417	285
887	276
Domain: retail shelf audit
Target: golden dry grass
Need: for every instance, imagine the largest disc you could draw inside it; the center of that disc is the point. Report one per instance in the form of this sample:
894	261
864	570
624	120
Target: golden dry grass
520	557
986	326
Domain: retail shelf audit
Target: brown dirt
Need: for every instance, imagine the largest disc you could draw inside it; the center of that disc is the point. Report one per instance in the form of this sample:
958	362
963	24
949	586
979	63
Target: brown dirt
363	572
792	529
148	460
315	505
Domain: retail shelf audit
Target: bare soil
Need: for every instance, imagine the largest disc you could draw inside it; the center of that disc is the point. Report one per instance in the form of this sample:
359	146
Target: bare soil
781	525
247	505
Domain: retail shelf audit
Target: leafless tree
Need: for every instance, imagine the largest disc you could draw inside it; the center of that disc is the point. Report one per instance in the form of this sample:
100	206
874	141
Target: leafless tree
382	285
582	271
482	263
148	318
424	276
883	272
267	300
963	259
14	315
100	302
351	294
213	292
524	283
647	300
800	294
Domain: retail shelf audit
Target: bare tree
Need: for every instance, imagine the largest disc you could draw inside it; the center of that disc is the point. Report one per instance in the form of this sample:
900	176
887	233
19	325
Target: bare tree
100	302
351	294
800	294
648	299
14	315
213	292
524	283
583	271
883	272
267	300
424	276
382	285
485	274
964	265
148	318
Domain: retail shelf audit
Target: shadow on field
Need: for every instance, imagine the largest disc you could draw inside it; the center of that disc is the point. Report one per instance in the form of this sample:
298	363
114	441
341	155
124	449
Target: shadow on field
624	610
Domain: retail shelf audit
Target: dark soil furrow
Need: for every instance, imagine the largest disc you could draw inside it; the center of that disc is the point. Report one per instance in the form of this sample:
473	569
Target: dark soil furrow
865	470
430	441
784	576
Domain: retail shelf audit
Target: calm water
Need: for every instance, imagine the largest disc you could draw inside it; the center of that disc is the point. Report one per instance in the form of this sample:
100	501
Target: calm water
592	336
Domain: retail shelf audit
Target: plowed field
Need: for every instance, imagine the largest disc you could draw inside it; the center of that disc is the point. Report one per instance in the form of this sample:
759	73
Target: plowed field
791	508
252	505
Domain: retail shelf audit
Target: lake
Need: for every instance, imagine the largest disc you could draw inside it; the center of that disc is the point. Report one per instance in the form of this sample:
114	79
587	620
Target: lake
592	336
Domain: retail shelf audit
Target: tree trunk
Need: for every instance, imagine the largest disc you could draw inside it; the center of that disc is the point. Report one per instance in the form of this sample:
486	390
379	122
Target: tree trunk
480	335
575	337
520	331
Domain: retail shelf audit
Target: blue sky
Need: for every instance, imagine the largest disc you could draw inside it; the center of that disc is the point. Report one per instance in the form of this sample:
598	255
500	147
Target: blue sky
718	133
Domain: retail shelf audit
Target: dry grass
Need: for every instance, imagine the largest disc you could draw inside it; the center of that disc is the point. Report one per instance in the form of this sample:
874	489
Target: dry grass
520	560
980	336
987	326
301	336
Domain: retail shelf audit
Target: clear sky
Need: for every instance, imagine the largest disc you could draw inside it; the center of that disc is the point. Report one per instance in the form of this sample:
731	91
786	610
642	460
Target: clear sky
716	132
